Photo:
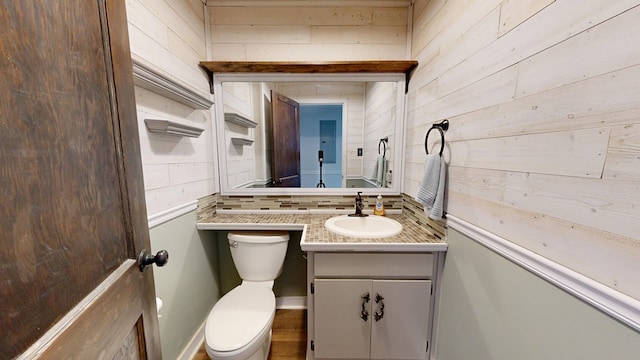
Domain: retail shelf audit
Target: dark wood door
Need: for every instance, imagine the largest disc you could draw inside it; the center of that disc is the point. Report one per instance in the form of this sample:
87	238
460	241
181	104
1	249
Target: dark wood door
72	209
285	161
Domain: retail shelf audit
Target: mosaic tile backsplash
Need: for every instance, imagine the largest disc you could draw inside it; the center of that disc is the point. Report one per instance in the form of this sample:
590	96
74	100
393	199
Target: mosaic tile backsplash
208	205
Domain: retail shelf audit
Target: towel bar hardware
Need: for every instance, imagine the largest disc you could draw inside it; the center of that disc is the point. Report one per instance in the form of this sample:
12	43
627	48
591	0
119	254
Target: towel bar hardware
442	127
384	141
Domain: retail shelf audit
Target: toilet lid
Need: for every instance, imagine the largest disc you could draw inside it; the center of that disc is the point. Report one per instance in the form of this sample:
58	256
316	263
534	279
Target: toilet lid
239	316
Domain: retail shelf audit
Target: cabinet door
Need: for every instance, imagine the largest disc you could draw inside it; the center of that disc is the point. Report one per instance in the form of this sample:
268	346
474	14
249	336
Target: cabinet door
403	329
339	330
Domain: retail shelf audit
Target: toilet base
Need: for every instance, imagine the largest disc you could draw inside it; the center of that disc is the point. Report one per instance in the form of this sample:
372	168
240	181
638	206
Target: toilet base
261	354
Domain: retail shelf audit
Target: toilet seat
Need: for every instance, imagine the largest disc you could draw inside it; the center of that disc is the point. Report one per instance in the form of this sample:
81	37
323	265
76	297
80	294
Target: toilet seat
240	320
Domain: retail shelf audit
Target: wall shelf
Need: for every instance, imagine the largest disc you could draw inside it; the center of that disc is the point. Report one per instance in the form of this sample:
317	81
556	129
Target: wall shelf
325	67
154	81
405	67
172	128
239	120
241	141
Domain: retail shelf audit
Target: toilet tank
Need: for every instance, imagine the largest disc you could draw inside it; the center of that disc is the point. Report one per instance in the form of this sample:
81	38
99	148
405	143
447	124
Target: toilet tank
258	255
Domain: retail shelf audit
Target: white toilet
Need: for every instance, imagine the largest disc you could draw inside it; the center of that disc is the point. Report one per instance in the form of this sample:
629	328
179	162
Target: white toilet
239	325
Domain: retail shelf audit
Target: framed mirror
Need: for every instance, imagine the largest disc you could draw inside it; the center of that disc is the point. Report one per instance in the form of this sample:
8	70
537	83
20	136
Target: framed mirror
333	134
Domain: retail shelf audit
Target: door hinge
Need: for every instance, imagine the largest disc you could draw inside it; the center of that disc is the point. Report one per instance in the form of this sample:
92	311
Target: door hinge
427	346
313	346
431	289
313	289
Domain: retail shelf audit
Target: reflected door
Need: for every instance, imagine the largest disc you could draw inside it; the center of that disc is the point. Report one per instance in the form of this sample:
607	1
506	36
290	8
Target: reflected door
285	163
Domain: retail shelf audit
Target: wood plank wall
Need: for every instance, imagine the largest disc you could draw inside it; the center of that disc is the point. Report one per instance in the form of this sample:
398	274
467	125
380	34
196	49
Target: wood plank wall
241	98
308	33
169	37
380	118
313	33
543	102
543	98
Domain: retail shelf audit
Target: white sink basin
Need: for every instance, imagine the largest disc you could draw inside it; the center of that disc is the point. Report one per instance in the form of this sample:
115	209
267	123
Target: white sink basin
363	227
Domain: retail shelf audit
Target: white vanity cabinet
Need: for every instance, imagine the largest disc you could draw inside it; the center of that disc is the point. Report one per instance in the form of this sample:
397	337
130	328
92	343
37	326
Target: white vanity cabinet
370	305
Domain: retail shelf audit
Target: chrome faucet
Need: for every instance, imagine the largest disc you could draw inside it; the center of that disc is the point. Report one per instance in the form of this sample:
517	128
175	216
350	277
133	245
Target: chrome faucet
359	206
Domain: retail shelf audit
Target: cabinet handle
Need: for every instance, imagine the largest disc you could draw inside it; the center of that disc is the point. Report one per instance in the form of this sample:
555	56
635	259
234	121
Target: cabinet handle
364	314
379	315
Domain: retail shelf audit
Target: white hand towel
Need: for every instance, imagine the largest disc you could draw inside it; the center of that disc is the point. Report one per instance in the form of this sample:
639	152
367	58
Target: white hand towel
438	205
431	190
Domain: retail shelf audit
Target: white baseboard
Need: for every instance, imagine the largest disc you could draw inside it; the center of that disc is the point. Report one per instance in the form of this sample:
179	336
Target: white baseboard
170	214
614	303
194	345
291	302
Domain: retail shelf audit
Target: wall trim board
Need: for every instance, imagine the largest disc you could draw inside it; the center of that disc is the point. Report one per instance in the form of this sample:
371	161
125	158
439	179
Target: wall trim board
194	344
153	80
170	214
614	303
291	302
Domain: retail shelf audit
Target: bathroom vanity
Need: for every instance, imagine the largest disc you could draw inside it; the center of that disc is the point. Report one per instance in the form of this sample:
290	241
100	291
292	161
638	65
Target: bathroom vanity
367	298
374	304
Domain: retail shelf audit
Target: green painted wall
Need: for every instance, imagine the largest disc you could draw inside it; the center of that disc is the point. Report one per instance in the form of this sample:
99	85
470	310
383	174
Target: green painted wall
189	285
292	281
492	309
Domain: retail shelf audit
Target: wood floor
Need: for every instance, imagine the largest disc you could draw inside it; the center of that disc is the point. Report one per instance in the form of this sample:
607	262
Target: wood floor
289	337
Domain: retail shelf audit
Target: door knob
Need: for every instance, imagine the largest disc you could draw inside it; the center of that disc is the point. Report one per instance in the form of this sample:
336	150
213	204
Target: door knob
146	258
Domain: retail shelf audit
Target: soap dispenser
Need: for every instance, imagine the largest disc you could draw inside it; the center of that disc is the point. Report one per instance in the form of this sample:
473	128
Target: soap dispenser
379	209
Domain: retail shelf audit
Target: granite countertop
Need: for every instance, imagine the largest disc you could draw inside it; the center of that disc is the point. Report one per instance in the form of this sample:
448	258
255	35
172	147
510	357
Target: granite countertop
414	237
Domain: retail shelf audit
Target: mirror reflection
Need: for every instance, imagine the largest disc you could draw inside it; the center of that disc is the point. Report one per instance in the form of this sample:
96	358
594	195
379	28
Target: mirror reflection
309	134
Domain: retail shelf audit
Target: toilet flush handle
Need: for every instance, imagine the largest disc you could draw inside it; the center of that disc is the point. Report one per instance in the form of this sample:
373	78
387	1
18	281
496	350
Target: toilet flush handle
233	244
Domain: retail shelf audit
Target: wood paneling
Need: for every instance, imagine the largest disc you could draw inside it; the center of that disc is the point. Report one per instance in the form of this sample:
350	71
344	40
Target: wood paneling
168	37
578	153
580	105
514	12
380	118
597	51
293	15
556	23
303	33
602	204
623	158
453	47
436	104
543	146
605	256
